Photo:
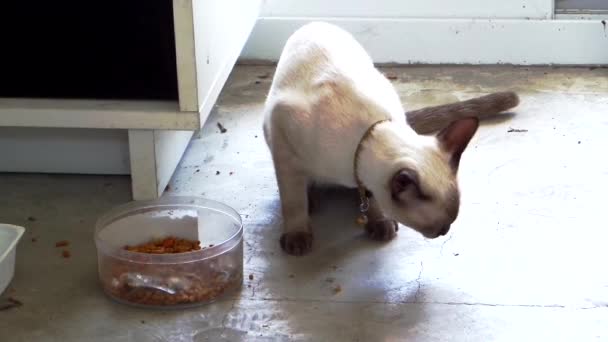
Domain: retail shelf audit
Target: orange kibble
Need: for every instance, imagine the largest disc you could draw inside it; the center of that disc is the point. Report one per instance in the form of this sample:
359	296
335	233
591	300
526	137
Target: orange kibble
337	289
165	246
62	243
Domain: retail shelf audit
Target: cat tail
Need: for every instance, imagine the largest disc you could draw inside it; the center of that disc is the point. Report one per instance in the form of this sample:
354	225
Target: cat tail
431	119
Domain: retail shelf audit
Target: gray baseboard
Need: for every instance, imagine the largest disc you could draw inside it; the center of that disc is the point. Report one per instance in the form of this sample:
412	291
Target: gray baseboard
64	150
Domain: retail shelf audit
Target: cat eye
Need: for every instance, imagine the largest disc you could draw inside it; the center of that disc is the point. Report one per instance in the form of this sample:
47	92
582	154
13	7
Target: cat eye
403	180
407	179
423	197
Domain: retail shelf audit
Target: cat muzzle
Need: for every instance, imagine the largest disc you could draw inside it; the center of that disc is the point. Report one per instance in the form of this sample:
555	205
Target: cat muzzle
443	230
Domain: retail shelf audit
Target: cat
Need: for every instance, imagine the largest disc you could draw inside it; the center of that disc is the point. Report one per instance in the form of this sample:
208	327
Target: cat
331	117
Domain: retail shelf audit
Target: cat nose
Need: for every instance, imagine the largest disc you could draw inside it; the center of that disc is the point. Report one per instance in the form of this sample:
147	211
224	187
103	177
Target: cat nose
444	230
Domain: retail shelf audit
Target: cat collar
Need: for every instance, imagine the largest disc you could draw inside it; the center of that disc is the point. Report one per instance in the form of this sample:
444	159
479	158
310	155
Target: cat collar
364	194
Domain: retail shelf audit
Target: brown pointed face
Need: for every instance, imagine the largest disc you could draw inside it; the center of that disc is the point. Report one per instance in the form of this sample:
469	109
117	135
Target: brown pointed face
425	195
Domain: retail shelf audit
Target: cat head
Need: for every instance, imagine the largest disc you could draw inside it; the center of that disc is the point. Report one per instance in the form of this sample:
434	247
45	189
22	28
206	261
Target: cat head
421	190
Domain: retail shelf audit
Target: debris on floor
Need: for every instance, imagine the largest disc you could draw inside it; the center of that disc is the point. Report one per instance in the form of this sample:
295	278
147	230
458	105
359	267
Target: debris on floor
516	130
391	76
62	243
337	289
10	303
222	128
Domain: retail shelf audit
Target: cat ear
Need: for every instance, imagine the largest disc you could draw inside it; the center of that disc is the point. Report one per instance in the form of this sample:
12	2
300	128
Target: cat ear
455	138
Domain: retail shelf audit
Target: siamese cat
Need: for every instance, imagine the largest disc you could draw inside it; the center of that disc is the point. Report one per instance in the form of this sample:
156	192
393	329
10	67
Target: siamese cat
332	118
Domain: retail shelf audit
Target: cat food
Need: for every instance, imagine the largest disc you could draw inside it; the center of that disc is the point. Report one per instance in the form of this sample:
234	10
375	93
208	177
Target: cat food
166	246
167	285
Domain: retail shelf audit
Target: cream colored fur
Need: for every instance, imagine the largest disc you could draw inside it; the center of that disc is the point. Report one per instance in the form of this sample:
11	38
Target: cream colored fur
325	94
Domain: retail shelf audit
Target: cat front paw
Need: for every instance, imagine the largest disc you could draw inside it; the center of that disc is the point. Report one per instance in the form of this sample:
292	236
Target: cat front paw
382	230
296	243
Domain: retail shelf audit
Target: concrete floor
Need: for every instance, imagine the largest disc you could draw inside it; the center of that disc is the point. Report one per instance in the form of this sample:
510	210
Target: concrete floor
525	261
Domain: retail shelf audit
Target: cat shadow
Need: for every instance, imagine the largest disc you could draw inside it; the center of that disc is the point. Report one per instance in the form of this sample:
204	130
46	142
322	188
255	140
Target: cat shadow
340	250
335	222
349	274
497	119
338	238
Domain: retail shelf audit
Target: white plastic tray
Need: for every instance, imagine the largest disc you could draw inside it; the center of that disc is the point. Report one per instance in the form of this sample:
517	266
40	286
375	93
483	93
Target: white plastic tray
9	236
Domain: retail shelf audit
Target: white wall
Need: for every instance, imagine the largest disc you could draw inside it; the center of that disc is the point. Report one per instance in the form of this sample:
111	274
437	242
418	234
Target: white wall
409	8
521	32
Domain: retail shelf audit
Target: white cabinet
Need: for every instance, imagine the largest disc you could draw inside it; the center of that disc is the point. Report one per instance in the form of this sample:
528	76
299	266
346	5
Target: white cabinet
43	97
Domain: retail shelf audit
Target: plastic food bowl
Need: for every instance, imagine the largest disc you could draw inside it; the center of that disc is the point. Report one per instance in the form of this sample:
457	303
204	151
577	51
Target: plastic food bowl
9	236
170	280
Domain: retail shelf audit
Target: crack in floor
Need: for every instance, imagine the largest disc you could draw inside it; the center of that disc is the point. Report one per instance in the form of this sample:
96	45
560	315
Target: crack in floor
224	320
541	306
418	282
443	244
